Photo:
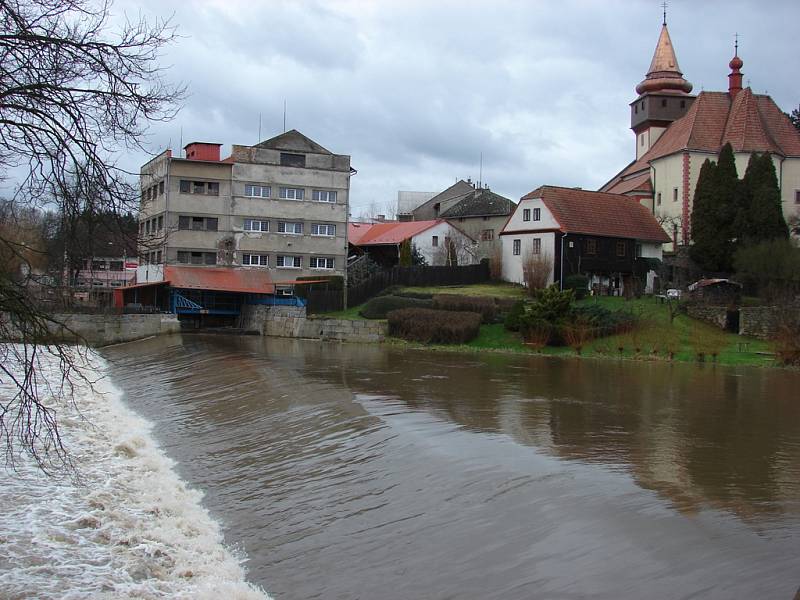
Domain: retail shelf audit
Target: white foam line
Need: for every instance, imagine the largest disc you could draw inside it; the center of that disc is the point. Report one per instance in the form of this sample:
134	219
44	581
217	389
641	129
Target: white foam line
131	528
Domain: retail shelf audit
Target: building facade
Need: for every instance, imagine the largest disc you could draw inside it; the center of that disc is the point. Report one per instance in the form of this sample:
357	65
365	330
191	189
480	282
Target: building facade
280	206
675	132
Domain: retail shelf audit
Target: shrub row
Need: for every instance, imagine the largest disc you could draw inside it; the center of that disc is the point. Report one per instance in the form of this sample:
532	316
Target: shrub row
434	326
483	305
380	306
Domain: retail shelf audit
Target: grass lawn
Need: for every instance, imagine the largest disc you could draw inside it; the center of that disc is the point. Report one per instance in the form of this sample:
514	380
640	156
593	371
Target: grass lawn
351	314
503	290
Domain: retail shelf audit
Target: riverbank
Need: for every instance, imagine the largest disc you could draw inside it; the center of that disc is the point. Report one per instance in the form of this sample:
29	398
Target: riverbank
122	524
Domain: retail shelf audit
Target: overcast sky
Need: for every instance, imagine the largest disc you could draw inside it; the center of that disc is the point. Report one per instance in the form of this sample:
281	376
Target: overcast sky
414	91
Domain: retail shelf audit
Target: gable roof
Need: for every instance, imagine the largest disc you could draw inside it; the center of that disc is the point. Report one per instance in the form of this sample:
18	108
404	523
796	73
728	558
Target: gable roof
459	188
750	123
479	203
600	214
293	141
364	234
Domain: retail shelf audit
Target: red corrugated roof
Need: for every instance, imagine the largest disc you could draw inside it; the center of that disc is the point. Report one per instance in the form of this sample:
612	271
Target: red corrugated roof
362	234
597	213
220	279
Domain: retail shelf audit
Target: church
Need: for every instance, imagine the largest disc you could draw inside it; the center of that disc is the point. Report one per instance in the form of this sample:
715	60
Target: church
676	131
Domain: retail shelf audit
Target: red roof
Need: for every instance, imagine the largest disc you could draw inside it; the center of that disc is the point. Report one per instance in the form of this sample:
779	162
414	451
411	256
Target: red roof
750	123
596	213
365	234
221	279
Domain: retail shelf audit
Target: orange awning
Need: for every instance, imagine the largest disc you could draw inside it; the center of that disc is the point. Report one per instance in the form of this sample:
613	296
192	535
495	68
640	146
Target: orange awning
220	279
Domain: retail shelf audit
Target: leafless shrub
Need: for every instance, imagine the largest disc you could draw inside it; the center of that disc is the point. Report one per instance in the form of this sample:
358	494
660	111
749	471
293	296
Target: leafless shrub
578	333
537	268
786	341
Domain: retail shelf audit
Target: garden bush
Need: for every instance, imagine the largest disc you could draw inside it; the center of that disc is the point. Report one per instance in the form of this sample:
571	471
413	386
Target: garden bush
380	306
513	318
603	321
484	305
434	326
578	283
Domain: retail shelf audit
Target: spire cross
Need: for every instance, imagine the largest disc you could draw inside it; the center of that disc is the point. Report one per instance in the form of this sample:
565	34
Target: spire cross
664	6
736	44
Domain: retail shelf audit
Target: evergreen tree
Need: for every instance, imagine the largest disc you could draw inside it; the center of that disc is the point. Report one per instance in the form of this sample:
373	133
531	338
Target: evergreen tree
764	213
418	258
711	245
795	117
405	253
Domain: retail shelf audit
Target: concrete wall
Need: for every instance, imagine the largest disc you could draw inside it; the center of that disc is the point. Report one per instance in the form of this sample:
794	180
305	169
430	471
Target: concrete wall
292	322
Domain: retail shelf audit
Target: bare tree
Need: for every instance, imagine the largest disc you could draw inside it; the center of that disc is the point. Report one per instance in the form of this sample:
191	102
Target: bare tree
536	270
75	92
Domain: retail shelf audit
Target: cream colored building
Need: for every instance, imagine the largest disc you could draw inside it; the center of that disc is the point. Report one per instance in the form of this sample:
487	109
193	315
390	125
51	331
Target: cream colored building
280	205
675	132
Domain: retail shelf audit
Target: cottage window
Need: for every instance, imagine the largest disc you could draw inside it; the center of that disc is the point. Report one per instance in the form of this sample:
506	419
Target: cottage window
323	229
537	214
517	247
257	191
256	225
435	241
526	214
591	246
293	160
255	260
292	228
288	262
487	235
663	102
320	262
292	193
620	248
324	196
536	247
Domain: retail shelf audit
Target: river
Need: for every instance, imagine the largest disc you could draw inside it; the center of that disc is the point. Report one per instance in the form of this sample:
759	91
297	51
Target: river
366	471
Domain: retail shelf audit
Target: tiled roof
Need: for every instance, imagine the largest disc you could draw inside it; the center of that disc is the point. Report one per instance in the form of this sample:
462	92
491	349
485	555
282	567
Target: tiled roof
479	203
364	234
751	123
459	188
221	279
597	213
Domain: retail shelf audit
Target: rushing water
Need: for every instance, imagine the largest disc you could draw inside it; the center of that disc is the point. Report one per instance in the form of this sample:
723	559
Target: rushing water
347	471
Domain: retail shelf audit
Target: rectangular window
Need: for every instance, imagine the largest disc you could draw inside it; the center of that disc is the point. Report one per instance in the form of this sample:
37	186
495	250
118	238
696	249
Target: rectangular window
536	248
161	222
674	194
487	235
198	187
184	222
591	246
212	223
797	196
210	258
292	193
288	262
98	265
198	223
158	257
213	188
537	214
323	229
147	227
526	214
517	247
255	260
620	248
293	228
183	256
658	199
141	228
638	251
293	160
435	241
185	186
257	191
663	102
160	188
324	196
115	265
320	262
255	225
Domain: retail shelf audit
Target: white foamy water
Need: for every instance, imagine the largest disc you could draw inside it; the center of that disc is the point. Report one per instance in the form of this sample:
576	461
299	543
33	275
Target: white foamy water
129	528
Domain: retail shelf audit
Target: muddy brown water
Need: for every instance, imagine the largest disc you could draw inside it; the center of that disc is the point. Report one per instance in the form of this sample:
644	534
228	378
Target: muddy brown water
361	471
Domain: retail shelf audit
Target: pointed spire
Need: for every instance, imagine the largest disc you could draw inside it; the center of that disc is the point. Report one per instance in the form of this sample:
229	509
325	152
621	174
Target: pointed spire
664	74
735	76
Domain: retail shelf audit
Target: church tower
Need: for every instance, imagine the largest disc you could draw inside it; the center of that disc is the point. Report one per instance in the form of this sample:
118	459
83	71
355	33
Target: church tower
663	95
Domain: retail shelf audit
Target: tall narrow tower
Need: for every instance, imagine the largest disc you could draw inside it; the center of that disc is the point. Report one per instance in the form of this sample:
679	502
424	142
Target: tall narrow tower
663	95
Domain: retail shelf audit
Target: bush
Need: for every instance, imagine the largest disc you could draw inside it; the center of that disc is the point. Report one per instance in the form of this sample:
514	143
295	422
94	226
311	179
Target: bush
578	283
603	321
380	306
434	326
513	320
786	342
484	305
536	333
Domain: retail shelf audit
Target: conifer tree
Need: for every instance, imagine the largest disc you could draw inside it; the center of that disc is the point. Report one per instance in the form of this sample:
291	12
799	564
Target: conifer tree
708	246
764	213
405	253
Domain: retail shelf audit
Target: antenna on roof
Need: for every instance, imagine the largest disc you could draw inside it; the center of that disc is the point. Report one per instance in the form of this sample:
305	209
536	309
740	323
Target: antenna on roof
480	171
664	6
181	138
284	115
259	129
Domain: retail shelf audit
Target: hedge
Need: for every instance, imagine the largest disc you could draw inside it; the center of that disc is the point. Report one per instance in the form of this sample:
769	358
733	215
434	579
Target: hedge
484	305
434	326
378	307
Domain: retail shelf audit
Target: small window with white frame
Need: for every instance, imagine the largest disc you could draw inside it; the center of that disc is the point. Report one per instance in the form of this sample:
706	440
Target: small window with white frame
536	246
255	260
517	247
526	214
294	228
537	214
323	229
257	191
283	261
435	241
288	193
256	225
320	262
324	196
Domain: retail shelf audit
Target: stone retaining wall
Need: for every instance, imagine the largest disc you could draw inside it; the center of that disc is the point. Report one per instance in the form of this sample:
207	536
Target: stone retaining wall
292	322
763	321
716	315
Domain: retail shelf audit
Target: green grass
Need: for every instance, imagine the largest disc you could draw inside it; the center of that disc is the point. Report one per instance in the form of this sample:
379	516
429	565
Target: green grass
351	314
502	290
